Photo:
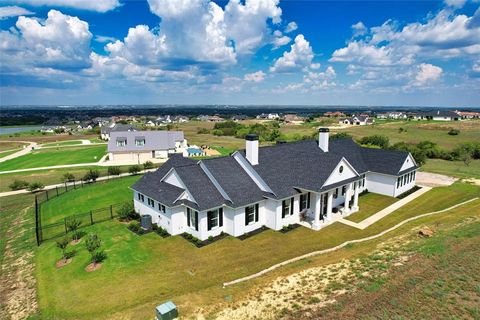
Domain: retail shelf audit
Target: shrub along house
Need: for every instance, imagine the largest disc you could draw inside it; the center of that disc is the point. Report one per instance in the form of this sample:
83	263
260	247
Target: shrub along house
310	182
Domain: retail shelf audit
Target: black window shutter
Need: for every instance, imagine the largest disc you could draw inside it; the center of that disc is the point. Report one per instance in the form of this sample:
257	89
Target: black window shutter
309	204
188	216
246	215
209	218
283	209
196	220
256	212
291	206
220	217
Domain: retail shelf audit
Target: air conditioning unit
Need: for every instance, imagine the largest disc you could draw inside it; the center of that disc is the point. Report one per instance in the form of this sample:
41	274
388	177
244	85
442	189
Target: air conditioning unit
146	222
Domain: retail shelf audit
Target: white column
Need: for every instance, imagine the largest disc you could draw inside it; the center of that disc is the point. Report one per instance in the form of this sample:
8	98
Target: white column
329	205
355	197
348	196
316	213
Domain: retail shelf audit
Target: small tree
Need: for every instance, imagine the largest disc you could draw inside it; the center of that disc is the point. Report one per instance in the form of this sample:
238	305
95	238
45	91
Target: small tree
91	175
114	171
18	185
92	244
127	212
68	177
62	245
148	165
134	169
72	226
35	186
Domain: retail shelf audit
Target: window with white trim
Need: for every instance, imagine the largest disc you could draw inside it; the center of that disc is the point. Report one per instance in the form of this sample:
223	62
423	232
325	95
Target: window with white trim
304	201
121	143
287	207
161	208
214	218
150	202
139	142
141	197
250	213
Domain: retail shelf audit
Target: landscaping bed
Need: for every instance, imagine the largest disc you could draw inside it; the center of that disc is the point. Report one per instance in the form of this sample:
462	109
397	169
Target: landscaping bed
252	233
199	243
289	228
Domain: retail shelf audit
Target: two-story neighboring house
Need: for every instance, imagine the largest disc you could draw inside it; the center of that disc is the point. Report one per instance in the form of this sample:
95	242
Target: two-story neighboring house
141	146
310	182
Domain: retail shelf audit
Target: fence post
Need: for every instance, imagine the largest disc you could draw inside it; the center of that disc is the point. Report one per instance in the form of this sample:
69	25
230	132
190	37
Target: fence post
46	191
37	231
74	186
111	211
66	229
91	217
81	181
66	186
56	188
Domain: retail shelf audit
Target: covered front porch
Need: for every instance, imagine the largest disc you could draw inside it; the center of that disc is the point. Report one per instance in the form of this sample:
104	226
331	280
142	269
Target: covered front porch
331	205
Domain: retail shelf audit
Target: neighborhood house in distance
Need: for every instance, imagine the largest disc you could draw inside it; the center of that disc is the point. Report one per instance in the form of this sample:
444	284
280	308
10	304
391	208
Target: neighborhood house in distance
308	182
144	146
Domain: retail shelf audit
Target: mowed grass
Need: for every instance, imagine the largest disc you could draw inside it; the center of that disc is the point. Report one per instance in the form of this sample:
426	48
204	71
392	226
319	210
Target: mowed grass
90	197
54	157
370	204
142	271
416	131
453	168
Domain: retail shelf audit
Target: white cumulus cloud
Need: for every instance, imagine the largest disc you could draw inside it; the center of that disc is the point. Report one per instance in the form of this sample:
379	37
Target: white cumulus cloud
258	76
93	5
13	11
292	26
427	73
299	57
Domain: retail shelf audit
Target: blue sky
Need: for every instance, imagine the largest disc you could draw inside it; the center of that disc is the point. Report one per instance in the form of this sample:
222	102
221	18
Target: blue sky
419	53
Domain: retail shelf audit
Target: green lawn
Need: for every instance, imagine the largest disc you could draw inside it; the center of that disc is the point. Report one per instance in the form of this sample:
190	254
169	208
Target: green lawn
370	204
93	196
142	271
224	151
53	157
62	143
453	168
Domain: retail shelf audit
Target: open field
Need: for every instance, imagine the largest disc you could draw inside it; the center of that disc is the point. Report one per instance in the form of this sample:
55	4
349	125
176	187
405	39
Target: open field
416	131
10	145
371	204
94	196
453	168
52	157
47	138
52	176
172	268
438	278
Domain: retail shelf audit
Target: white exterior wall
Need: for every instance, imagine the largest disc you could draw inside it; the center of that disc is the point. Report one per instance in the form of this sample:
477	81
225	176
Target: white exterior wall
381	183
405	187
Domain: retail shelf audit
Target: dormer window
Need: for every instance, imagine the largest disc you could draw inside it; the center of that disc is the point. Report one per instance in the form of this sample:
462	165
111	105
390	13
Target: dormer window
139	142
121	142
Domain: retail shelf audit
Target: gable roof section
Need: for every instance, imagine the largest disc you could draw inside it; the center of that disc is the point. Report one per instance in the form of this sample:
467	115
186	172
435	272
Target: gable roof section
301	164
351	151
238	185
384	161
154	140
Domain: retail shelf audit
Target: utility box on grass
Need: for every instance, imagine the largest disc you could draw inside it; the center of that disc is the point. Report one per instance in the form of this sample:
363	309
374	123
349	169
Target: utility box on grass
166	311
146	222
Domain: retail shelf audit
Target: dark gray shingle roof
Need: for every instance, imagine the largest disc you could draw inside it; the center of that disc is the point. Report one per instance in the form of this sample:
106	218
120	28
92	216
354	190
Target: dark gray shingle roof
238	185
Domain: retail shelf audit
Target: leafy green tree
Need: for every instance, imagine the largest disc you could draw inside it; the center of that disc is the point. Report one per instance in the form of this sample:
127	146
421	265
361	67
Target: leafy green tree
35	186
134	169
91	175
114	171
73	225
18	185
93	243
62	245
148	165
376	140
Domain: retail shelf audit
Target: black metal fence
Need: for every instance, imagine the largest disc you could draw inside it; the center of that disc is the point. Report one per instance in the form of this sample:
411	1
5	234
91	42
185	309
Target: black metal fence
57	229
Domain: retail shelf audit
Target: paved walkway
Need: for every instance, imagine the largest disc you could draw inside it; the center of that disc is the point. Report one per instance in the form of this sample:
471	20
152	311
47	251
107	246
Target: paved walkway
53	186
346	243
22	152
386	211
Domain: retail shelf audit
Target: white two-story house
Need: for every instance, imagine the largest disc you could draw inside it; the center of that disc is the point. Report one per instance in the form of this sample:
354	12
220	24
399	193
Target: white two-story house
313	182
